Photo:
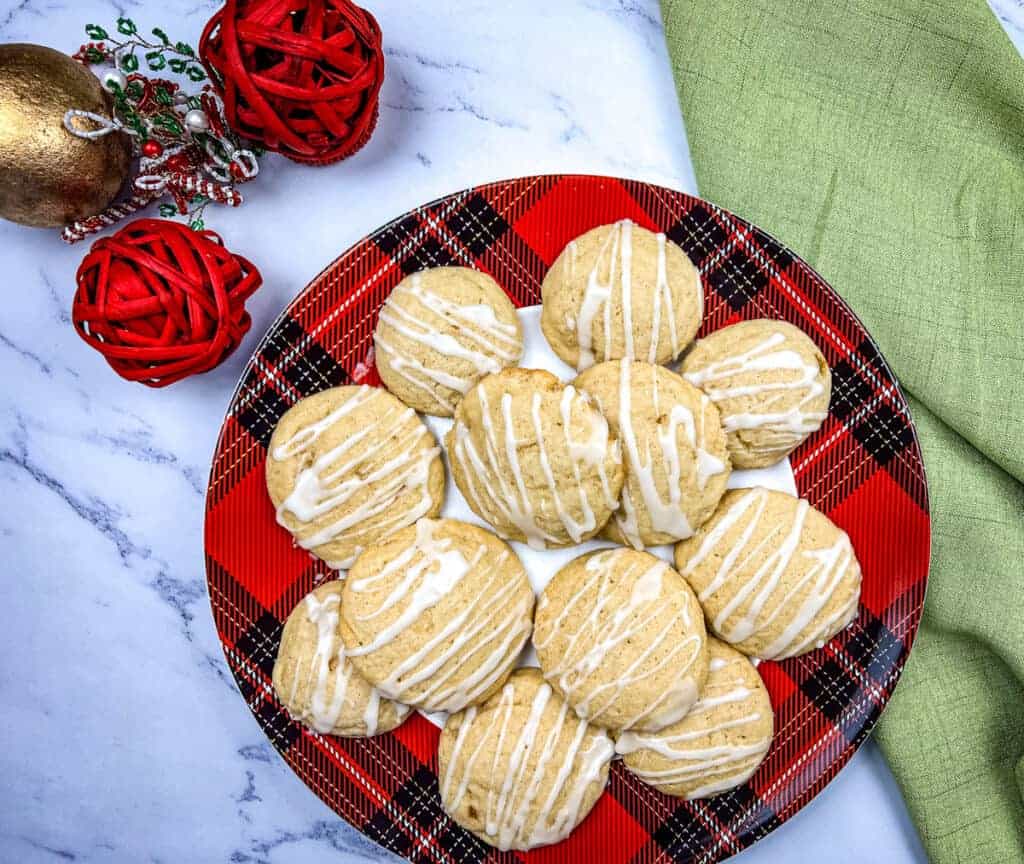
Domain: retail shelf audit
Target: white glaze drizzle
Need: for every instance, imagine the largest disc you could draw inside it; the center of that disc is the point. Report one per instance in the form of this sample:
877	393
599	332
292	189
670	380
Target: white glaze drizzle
582	665
506	810
666	516
325	713
722	381
494	624
767	583
599	299
510	501
471	333
333	479
720	766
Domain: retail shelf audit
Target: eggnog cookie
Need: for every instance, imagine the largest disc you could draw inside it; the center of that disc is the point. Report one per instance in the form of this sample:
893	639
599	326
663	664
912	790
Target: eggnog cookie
521	770
436	616
350	466
775	577
441	331
535	458
621	291
673	450
315	682
771	385
719	744
620	636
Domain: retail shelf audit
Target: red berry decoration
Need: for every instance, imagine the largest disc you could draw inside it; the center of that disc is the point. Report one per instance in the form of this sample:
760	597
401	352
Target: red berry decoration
301	77
162	302
151	148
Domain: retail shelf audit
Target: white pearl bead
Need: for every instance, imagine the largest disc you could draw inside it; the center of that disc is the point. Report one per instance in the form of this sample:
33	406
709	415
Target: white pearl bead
197	121
180	97
114	79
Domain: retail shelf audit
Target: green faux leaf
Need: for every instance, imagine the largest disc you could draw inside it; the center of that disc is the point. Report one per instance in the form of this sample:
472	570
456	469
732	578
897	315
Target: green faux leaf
161	35
94	31
199	199
155	60
196	224
130	63
162	96
134	90
196	73
126	26
177	65
168	122
94	55
184	48
168	210
135	121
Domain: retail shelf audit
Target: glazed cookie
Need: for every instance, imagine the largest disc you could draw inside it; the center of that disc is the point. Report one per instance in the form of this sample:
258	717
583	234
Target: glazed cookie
350	466
673	449
775	577
620	636
771	385
441	331
621	291
535	458
521	770
719	744
315	682
436	616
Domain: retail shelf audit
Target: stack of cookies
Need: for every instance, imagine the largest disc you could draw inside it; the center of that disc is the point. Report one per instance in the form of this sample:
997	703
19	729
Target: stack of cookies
637	658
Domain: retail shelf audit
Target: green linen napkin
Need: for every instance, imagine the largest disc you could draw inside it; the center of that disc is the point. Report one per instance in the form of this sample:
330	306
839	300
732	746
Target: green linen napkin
883	140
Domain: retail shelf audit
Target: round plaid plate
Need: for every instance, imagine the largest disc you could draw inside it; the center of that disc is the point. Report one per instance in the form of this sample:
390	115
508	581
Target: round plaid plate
863	468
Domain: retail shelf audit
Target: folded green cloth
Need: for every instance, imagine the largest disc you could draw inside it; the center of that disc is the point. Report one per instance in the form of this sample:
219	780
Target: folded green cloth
883	140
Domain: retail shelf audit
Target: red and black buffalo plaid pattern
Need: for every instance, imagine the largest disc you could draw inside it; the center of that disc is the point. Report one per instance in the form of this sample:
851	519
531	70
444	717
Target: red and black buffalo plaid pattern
863	468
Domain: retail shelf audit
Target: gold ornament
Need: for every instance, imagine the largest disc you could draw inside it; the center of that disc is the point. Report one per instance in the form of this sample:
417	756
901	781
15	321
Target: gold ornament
49	177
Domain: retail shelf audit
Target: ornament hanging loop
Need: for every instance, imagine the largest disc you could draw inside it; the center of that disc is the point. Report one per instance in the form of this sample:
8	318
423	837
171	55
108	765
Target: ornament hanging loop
102	125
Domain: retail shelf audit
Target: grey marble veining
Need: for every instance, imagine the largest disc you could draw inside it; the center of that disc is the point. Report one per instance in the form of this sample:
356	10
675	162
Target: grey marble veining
123	736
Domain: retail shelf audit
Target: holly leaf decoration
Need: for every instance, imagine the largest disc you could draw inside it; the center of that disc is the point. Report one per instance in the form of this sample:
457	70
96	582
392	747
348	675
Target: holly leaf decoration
161	35
162	96
196	73
183	48
126	26
177	65
134	90
168	122
155	60
130	63
168	210
94	31
135	121
94	55
196	224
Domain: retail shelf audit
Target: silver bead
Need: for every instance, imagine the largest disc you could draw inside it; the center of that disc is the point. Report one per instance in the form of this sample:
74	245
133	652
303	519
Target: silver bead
114	79
197	120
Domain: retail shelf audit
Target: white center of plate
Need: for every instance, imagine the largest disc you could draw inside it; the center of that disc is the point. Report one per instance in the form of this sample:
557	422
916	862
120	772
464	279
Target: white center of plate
542	564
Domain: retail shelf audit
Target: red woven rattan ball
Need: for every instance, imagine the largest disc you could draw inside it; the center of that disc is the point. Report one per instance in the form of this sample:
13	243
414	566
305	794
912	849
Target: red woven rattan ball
299	76
162	302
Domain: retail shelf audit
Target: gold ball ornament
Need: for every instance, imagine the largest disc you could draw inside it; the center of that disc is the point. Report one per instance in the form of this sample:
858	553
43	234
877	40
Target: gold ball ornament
49	177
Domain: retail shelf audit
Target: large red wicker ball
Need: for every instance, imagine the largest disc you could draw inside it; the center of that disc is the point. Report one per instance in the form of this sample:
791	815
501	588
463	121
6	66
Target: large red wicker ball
161	301
301	77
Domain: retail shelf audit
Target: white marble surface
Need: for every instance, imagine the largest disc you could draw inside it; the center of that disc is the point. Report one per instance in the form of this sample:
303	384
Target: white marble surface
1011	15
123	737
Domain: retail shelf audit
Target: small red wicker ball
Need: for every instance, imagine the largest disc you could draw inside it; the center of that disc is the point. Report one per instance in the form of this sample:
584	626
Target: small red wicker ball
162	302
301	77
